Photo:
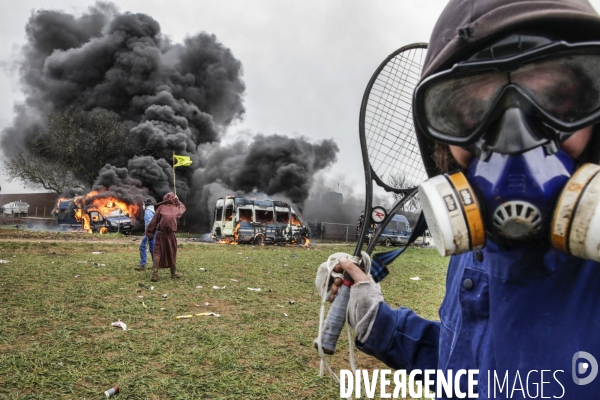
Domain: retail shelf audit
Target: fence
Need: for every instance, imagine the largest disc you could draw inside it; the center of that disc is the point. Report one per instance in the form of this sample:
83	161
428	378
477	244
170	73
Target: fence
333	231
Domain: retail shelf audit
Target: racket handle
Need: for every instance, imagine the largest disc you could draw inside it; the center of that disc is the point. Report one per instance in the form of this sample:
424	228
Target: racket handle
336	317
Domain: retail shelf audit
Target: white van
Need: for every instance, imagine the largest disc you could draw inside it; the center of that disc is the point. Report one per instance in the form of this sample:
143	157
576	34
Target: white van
243	220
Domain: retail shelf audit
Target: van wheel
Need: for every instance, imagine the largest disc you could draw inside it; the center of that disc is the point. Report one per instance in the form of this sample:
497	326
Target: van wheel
388	242
259	240
301	241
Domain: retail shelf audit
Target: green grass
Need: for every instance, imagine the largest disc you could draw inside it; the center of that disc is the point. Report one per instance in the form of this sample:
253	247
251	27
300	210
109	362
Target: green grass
56	339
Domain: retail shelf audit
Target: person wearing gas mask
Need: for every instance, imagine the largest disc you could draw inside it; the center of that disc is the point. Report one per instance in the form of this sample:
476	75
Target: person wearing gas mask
145	244
505	115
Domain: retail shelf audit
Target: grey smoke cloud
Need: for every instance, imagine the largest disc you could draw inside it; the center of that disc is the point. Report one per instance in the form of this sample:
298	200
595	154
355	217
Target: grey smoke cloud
176	97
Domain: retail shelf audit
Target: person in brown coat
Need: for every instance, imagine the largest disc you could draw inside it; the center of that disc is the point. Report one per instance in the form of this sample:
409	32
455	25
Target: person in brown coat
165	225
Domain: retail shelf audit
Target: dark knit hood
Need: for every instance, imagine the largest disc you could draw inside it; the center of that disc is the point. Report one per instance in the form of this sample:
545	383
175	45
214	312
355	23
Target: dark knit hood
467	26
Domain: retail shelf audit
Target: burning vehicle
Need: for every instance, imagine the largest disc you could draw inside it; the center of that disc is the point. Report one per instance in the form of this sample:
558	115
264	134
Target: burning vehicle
95	214
243	220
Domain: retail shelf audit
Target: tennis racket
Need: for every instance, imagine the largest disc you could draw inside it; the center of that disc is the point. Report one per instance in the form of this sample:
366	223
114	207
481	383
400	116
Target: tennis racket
389	147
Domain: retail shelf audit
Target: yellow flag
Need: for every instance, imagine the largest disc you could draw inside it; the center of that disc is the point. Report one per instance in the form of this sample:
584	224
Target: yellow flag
182	161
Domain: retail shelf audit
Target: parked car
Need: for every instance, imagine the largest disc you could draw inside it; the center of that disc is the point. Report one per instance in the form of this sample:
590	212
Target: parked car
396	233
243	220
424	240
15	209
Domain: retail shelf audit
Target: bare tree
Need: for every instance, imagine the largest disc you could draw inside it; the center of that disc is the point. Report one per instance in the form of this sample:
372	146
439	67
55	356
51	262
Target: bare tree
36	171
71	148
401	181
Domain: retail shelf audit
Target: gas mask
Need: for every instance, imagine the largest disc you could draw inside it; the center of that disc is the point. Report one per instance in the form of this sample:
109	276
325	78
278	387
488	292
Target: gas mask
511	106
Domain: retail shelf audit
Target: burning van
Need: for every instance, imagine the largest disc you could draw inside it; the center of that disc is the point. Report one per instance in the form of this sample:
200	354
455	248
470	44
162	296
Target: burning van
242	220
70	215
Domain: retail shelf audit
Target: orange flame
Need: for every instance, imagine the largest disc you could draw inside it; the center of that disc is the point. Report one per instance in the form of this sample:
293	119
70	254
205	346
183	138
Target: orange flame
295	220
103	205
236	234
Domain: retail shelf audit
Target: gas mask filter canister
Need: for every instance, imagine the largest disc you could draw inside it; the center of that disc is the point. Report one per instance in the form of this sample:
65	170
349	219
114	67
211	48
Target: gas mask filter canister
575	227
457	221
453	214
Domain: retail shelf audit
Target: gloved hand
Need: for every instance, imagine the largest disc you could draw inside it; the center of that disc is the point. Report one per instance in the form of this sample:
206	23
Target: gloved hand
365	294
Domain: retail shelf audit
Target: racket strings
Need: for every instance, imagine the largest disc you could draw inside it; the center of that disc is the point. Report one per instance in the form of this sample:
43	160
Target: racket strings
389	129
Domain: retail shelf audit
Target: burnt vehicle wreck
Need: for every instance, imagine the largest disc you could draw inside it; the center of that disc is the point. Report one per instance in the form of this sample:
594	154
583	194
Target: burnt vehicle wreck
243	220
69	215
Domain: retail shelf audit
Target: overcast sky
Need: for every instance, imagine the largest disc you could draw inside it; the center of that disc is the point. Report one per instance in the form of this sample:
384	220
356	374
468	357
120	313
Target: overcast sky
306	62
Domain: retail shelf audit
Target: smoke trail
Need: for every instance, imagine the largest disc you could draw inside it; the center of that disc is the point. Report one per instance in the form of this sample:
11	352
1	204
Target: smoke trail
175	97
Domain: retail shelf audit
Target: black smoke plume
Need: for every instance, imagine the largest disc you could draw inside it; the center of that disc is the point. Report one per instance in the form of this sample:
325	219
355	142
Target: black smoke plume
177	98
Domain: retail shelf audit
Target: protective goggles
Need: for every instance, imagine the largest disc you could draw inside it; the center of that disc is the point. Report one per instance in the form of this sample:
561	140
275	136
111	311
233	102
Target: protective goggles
558	84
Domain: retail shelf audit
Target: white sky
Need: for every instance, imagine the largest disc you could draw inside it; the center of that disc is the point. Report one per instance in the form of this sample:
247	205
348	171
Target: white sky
306	62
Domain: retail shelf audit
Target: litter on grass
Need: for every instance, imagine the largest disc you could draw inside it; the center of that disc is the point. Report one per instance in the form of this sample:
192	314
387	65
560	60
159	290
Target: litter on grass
234	280
217	287
285	315
206	304
111	392
120	324
202	269
144	304
204	314
165	295
208	314
254	289
77	276
415	278
4	261
292	302
198	287
97	252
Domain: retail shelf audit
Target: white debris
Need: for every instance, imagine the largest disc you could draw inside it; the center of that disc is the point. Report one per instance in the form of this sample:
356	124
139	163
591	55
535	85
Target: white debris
198	287
415	278
255	289
120	324
217	287
4	262
211	314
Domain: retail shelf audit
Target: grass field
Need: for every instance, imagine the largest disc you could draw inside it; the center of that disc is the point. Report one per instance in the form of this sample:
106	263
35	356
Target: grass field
56	339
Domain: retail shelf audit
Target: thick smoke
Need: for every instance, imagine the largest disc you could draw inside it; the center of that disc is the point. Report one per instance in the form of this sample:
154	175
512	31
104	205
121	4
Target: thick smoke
177	98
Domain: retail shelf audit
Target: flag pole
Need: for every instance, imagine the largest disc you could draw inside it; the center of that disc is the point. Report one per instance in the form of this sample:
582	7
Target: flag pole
174	177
